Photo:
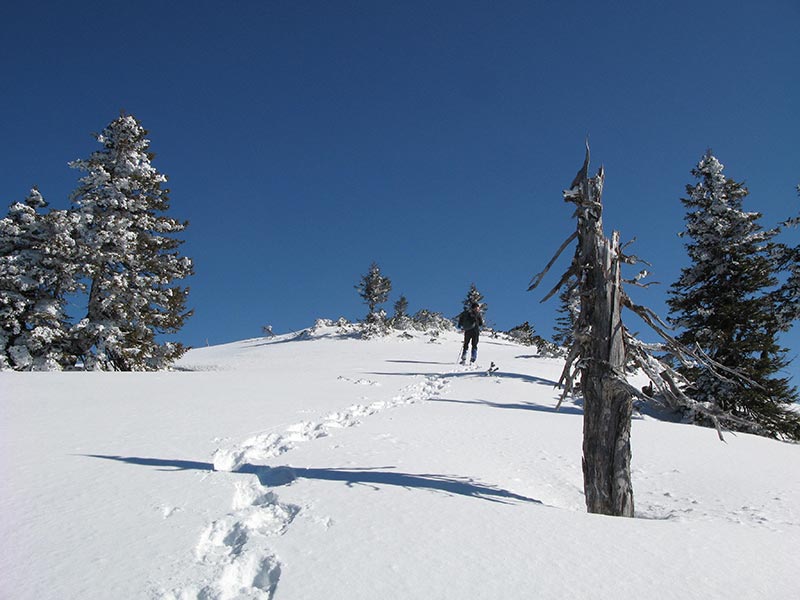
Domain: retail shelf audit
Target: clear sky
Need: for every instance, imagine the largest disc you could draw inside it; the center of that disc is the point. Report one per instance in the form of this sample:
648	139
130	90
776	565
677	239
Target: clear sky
304	140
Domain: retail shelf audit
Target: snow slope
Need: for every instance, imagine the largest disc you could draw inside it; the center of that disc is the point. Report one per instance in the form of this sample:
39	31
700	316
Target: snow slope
351	469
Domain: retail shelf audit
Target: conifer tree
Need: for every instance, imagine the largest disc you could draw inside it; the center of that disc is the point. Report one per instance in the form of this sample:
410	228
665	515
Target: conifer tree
36	272
401	307
128	257
400	319
568	312
473	295
726	302
787	297
374	288
523	334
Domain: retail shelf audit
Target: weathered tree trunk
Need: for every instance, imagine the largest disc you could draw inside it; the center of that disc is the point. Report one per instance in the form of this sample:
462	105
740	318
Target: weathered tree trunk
598	354
607	401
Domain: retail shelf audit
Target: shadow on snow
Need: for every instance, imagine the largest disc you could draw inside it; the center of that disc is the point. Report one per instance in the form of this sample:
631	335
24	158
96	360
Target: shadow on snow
566	410
465	374
373	477
419	362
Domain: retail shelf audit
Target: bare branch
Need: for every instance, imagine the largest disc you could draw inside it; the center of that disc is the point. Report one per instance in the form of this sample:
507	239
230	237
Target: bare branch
538	278
665	379
635	283
644	286
568	374
564	278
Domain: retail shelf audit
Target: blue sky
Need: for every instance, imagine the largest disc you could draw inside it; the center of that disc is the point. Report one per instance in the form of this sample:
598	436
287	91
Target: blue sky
304	140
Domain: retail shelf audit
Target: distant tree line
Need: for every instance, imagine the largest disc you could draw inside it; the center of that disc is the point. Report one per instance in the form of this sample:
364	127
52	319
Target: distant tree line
374	288
112	252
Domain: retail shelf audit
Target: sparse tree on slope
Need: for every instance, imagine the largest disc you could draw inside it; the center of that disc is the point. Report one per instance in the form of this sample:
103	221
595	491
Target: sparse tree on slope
728	304
569	310
35	272
401	307
473	295
374	288
400	318
522	334
129	259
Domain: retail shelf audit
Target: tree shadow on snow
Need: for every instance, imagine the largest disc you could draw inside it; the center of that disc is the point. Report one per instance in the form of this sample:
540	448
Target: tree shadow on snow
567	410
470	374
378	476
166	465
540	355
372	477
419	362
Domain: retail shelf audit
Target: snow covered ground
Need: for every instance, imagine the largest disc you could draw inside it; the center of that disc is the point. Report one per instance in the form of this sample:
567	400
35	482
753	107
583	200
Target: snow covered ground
350	469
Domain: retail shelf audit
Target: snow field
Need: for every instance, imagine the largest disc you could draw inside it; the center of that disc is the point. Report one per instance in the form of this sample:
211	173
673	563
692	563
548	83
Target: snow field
318	467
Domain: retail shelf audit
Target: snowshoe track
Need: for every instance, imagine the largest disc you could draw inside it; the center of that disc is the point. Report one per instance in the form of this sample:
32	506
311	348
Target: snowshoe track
234	550
269	445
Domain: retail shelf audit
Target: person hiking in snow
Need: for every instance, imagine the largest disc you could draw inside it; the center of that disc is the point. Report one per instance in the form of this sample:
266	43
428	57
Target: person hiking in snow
471	321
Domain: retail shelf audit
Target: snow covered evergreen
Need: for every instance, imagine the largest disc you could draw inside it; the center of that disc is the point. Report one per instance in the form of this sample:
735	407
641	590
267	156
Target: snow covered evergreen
374	288
431	321
568	311
726	303
400	319
473	295
401	307
522	334
128	255
36	271
788	295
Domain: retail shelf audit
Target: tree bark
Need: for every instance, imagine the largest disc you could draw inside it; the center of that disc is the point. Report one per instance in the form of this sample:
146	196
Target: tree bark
607	401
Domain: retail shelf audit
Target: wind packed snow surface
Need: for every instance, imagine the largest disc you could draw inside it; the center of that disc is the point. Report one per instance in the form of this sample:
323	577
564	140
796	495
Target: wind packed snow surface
322	466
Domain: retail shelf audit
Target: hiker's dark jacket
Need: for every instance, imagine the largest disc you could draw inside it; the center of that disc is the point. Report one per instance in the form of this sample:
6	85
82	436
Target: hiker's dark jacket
470	319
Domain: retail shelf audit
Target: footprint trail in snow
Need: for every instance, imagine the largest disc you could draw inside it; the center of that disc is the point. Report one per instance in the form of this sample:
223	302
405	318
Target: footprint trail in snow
270	445
234	550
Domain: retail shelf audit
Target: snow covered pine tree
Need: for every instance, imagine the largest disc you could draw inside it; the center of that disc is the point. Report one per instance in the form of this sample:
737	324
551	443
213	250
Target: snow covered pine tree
473	295
128	260
36	271
729	304
569	309
400	319
401	307
374	288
